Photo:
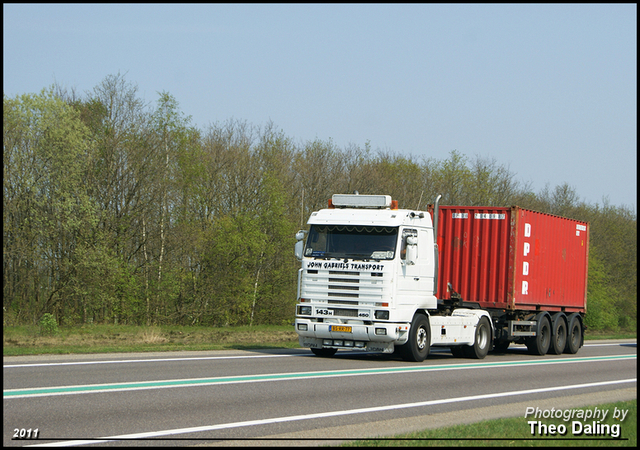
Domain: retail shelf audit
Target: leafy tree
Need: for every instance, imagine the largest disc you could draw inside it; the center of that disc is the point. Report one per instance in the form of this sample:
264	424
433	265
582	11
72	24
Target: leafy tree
114	211
601	313
490	184
451	177
399	177
46	205
318	166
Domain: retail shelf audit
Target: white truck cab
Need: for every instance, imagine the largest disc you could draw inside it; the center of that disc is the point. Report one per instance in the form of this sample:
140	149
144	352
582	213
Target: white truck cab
367	282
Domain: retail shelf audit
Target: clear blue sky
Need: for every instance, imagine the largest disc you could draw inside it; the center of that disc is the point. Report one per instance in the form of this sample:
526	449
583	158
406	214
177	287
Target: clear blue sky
548	90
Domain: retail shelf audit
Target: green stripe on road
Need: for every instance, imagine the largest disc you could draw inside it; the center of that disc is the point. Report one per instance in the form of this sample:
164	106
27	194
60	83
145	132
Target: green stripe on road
66	390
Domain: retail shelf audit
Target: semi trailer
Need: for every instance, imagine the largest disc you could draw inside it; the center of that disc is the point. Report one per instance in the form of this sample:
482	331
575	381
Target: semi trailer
377	278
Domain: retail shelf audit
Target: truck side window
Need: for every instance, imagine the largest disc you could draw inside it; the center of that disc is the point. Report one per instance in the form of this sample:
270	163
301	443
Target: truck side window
405	233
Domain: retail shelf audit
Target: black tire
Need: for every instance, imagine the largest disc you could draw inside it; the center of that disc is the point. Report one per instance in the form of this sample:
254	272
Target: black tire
324	352
559	335
539	344
574	336
417	347
482	342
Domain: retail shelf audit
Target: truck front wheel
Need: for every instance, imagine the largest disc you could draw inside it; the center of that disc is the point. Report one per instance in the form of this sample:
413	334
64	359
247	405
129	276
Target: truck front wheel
417	347
482	341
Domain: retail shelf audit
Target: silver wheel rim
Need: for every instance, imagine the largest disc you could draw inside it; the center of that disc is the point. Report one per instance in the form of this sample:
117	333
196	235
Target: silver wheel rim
483	337
421	338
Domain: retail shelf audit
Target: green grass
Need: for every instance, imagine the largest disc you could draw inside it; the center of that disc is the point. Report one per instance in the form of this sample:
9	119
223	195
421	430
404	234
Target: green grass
610	335
515	432
29	340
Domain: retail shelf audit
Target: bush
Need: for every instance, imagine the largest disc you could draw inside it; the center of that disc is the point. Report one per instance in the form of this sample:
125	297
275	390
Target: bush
48	325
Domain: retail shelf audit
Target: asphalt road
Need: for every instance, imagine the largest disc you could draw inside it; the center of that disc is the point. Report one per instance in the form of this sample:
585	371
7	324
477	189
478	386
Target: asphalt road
290	397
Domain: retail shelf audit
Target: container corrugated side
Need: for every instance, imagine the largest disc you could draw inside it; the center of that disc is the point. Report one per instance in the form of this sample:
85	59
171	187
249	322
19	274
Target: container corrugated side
473	246
512	258
550	262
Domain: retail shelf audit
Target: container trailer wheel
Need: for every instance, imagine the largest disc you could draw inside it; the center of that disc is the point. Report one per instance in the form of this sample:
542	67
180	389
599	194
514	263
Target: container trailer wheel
574	337
559	335
482	342
324	352
417	347
540	343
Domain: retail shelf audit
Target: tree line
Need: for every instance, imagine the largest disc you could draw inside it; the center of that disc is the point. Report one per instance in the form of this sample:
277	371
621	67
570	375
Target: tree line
118	211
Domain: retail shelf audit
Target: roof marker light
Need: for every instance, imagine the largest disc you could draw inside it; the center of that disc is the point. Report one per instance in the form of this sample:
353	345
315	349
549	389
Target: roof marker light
362	201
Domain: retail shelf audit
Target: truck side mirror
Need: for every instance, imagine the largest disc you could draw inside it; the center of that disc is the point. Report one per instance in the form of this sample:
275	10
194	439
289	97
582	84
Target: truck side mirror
412	250
299	247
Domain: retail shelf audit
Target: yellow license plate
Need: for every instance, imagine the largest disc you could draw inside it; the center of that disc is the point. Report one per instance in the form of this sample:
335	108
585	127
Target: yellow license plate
340	329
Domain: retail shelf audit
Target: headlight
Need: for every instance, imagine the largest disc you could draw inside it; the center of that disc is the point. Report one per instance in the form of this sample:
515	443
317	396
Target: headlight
304	310
382	315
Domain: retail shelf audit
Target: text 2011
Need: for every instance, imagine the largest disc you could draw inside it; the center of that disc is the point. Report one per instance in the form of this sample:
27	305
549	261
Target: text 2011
25	433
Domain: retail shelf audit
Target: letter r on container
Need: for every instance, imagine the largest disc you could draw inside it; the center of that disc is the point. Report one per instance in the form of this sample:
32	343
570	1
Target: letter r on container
525	288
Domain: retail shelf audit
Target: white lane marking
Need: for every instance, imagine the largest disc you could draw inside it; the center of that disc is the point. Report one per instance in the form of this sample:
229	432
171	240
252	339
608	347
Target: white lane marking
609	345
249	423
126	361
203	358
259	378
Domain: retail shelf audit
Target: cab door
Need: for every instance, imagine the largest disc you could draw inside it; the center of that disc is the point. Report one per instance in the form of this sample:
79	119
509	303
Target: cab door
414	279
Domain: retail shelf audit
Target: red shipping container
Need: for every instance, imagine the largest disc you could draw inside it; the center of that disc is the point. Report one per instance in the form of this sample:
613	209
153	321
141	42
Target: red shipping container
512	258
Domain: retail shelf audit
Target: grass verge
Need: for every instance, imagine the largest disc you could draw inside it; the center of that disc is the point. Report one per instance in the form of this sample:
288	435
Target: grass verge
28	340
516	432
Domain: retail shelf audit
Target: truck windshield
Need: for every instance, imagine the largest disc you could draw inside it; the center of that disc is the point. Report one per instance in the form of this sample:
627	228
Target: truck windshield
347	241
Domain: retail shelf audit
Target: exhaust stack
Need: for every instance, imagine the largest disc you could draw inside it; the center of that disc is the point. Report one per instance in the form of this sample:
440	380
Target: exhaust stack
435	243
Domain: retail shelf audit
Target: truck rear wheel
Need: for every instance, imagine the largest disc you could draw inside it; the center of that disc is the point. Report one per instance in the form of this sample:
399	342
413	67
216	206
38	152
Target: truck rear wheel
324	352
539	344
559	335
417	347
574	337
482	341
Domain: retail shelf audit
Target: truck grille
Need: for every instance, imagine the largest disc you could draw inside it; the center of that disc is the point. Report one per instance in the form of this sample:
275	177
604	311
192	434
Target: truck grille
345	287
343	302
342	294
343	284
344	312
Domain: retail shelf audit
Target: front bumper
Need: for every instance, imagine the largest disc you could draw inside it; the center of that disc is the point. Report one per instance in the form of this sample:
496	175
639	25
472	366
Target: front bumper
378	337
